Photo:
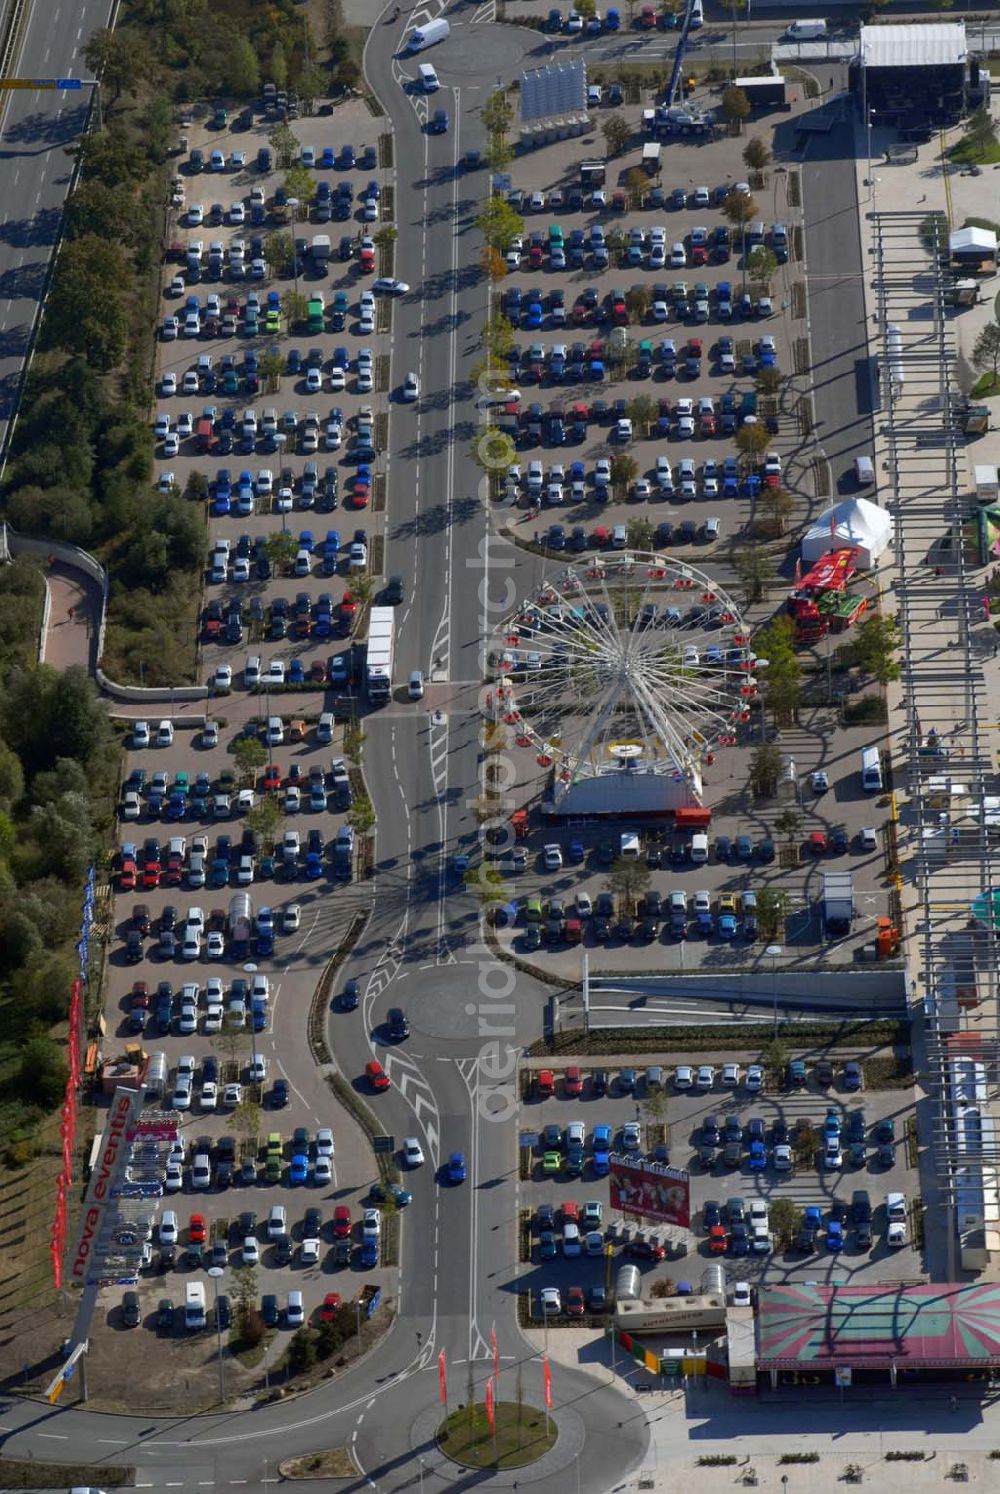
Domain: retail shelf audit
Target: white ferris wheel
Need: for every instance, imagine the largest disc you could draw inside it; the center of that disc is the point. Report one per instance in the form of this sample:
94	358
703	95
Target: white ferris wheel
623	675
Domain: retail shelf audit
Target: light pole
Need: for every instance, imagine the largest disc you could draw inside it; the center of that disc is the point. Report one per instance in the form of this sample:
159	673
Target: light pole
215	1272
774	951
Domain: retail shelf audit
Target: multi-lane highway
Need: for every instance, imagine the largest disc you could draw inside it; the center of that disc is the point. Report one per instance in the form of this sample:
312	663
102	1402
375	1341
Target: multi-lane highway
38	126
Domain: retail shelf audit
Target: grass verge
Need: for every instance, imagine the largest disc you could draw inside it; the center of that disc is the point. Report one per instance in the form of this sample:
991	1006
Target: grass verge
15	1474
522	1434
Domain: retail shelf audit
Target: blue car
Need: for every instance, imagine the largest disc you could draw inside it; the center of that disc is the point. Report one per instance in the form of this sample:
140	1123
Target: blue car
835	1235
456	1168
831	1126
314	866
299	1170
317	797
758	1156
328	159
727	923
534	315
296	673
602	1150
368	1255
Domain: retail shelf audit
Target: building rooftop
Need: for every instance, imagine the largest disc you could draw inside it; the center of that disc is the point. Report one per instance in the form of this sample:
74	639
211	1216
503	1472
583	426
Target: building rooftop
938	44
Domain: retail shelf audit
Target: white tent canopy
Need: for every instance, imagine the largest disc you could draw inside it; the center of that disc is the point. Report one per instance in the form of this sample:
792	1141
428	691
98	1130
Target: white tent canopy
854	521
980	243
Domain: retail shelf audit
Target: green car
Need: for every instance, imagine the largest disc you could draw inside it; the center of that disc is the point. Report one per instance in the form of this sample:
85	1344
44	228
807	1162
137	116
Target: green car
547	1245
592	1212
551	1162
182	783
533	910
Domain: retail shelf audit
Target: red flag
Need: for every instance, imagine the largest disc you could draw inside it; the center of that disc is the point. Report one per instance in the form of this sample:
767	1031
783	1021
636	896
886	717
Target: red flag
443	1379
548	1385
798	571
490	1413
496	1351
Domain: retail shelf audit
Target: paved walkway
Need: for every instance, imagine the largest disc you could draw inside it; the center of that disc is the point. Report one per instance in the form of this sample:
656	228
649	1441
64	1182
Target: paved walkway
74	613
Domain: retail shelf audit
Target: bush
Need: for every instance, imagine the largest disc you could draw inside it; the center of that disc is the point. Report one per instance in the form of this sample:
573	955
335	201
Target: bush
865	710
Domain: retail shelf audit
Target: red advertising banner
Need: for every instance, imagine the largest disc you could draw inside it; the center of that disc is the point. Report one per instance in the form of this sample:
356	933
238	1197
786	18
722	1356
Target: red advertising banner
548	1384
496	1350
490	1411
651	1189
443	1379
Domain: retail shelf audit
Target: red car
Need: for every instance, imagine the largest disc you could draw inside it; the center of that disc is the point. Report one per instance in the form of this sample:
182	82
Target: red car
647	19
817	842
576	1304
140	994
699	255
272	778
341	1222
535	256
717	1240
175	868
197	1230
571	1211
330	1307
573	1082
545	1083
127	875
376	1075
317	672
151	875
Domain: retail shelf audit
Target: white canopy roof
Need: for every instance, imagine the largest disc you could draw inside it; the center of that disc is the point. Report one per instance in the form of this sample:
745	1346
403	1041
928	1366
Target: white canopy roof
853	521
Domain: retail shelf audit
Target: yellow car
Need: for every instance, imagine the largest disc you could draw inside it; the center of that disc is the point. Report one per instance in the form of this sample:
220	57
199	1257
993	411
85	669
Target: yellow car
727	903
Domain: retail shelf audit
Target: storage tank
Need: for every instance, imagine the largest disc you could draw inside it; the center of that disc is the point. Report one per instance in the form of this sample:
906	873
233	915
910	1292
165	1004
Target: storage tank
628	1284
713	1279
155	1081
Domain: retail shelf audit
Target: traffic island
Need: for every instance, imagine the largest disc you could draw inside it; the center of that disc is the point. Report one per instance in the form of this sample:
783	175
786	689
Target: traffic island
334	1462
521	1435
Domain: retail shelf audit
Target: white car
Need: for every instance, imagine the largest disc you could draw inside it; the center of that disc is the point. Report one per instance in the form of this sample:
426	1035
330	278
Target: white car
182	1093
833	1157
683	1076
165	734
292	918
222	679
820	781
386	286
411	387
314	380
168	384
730	1075
257	1069
310	1251
413	1152
741	1294
755	1078
168	1228
293	799
201	1171
216	948
251	1251
140	734
173	1181
584	905
324	1142
371	1224
631	1136
551	1302
553	858
322	1171
576	1134
678	256
705	1078
357	559
664	474
213	1012
232	1096
782	1157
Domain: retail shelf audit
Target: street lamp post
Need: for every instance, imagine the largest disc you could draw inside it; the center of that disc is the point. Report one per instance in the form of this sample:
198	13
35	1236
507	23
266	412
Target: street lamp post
774	951
215	1272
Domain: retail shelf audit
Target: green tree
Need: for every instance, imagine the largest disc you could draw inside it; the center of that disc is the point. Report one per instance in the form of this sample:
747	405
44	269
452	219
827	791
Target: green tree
121	60
765	765
638	299
874	646
361	815
42	1072
241	68
285	144
301	184
11	776
617	133
642	412
281	546
265	819
756	154
755	568
301	1351
246	1121
761	264
739	208
637	183
311	85
497	337
499	154
294	308
271	365
628	880
769	380
487	884
624	471
279	251
986	349
785	1219
245	1291
48	714
788	824
278	70
497	114
499	224
772	910
385	236
249	755
109	212
641	535
586	8
782	678
779	505
751	440
87	311
735	106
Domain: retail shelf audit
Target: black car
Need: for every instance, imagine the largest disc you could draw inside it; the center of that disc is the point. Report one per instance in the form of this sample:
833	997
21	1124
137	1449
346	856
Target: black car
599	1082
349	996
269	1310
545	1217
392	594
765	850
838	842
779	1133
710	1213
223	1312
627	1081
755	1129
733	1130
282	1250
397	1023
279	1094
710	1130
312	1223
165	1316
133	946
131	1311
857	1128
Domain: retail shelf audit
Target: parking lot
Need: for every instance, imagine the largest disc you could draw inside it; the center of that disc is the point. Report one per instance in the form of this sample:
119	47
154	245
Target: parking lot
615	298
830	1190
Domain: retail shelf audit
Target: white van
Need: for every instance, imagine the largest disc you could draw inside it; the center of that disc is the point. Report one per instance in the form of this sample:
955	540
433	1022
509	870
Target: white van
426	36
864	471
871	771
806	30
697	15
324	727
699	848
194	1306
428	78
629	846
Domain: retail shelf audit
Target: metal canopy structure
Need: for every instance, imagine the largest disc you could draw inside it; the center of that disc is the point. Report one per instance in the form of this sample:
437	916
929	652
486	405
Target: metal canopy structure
950	850
633	666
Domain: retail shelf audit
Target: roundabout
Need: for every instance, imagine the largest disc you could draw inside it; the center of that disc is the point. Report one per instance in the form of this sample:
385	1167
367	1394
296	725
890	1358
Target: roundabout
505	1435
